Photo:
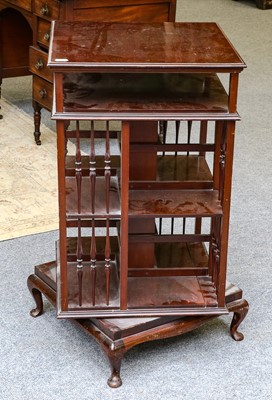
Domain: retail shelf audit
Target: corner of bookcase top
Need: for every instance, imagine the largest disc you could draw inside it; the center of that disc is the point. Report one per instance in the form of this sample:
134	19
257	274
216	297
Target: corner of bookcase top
242	65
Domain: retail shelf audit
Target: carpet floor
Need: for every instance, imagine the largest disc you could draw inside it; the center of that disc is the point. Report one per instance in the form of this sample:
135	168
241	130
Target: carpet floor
51	359
28	176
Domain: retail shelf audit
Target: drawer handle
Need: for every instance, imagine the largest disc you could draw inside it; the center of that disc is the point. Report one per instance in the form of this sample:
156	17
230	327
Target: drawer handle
44	10
47	36
39	64
43	93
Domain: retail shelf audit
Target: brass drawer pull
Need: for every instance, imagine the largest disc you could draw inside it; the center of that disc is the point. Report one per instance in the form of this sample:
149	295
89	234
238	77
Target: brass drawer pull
44	10
39	64
47	36
43	93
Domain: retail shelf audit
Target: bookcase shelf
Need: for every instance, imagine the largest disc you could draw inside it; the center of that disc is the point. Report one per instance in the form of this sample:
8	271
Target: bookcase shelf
172	203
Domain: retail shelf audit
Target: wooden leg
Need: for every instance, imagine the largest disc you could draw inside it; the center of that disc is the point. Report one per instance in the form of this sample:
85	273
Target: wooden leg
1	116
37	296
37	123
240	310
115	358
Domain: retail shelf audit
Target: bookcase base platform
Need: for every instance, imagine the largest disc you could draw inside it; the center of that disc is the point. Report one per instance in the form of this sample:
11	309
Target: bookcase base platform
117	335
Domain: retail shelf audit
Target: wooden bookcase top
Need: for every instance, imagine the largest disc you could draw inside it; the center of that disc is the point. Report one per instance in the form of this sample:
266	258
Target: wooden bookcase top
111	47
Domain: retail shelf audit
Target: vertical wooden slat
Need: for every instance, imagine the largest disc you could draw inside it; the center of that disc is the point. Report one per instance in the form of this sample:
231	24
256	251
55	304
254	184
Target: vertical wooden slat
226	211
107	187
163	131
78	173
211	249
177	129
172	225
160	226
203	134
63	282
92	175
189	131
58	92
216	160
222	159
233	92
124	213
216	251
61	146
202	140
219	125
177	126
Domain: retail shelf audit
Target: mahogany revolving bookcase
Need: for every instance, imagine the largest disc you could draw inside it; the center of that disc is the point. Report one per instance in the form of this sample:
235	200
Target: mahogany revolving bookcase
144	201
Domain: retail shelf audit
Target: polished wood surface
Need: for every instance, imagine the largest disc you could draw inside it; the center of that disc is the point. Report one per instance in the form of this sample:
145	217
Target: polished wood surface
169	45
25	23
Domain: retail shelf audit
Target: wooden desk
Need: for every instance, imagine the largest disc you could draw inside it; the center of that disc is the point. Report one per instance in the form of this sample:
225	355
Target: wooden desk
25	23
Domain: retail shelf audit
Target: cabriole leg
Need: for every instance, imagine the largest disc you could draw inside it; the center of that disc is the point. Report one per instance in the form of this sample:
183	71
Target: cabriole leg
115	359
37	296
240	310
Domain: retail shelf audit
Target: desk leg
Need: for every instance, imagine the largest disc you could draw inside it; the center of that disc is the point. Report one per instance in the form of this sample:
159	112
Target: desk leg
1	116
37	122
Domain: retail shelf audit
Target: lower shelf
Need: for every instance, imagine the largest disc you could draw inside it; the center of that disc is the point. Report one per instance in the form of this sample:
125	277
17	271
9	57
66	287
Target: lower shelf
117	335
177	284
171	291
143	292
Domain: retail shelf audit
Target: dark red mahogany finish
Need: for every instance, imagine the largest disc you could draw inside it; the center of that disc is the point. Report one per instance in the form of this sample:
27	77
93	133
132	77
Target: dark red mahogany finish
25	23
156	216
112	46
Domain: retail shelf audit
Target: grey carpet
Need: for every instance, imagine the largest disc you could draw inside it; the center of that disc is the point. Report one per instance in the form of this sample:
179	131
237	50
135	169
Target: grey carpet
50	359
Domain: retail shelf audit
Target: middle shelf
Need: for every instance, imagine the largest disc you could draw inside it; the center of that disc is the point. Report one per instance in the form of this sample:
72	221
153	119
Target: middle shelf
156	203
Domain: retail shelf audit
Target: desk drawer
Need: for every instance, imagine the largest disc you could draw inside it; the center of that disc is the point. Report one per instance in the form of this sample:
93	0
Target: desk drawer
47	9
38	64
24	4
42	92
122	11
43	32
